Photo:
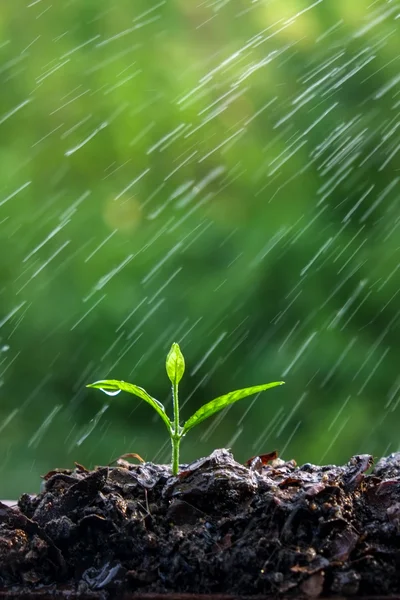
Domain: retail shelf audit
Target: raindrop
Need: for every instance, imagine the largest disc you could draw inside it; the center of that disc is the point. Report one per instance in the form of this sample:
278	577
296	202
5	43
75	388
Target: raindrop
93	422
110	392
38	435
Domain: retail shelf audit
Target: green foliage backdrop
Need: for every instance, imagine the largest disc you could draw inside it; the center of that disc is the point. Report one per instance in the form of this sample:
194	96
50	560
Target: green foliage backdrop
221	174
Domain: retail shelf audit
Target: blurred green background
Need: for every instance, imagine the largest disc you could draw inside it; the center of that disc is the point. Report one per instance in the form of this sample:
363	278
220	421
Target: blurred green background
224	174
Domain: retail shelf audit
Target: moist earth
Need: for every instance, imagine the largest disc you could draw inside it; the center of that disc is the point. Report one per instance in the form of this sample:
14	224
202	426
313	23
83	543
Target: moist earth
265	528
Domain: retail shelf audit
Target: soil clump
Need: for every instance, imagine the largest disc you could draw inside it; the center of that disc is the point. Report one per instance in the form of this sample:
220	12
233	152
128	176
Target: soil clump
265	528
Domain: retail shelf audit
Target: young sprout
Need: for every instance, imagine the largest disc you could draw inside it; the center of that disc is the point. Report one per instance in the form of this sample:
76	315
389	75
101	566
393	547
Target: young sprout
175	366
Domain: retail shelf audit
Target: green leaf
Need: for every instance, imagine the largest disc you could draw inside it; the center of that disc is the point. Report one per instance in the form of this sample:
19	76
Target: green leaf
175	364
110	386
207	410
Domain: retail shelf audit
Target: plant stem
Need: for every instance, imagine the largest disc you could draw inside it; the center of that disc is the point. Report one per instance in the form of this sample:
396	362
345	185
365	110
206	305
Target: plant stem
176	438
175	442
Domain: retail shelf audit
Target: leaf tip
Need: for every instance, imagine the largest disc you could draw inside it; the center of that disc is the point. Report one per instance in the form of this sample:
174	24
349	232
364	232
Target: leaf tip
175	364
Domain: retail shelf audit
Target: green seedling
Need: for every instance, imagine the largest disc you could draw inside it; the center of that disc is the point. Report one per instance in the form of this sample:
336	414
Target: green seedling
175	366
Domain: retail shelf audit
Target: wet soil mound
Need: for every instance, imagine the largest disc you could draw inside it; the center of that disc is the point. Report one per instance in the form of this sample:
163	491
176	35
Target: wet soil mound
218	527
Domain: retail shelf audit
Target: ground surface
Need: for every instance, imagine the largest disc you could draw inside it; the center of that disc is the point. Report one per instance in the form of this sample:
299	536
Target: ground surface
219	527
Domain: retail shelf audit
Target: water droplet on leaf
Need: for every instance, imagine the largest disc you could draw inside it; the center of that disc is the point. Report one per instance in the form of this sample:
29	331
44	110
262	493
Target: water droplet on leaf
110	392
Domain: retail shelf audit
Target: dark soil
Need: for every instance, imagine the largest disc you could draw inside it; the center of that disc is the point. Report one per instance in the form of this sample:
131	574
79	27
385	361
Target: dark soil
219	527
